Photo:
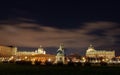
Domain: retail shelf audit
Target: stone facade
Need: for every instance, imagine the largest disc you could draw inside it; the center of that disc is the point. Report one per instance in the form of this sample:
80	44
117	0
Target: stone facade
11	51
7	51
91	52
40	50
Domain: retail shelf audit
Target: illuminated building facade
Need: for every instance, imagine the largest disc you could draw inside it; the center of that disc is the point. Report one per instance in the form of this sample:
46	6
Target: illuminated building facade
11	51
39	51
91	52
7	51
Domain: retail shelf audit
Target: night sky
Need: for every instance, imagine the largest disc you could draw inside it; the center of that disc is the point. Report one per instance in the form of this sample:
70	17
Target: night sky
77	24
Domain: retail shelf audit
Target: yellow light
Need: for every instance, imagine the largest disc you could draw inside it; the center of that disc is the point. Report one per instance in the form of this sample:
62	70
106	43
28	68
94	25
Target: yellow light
103	59
26	57
49	60
83	59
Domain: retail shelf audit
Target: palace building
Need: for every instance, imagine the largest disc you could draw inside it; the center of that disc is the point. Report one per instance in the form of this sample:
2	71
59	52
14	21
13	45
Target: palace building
12	51
91	52
40	50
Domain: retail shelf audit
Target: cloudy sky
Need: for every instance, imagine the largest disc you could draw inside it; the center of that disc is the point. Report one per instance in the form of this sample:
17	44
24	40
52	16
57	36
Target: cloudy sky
49	23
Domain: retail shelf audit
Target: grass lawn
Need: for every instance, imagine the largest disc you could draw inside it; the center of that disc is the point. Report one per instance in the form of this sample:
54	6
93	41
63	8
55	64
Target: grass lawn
16	69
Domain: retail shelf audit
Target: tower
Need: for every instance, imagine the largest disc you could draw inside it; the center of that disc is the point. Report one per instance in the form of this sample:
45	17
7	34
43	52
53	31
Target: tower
60	57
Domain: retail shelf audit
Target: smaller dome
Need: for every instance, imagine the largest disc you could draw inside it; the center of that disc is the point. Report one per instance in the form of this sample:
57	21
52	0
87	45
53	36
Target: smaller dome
41	50
91	48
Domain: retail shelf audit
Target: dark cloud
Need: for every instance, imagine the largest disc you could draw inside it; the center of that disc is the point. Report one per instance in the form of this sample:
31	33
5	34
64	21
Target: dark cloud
98	32
58	14
25	34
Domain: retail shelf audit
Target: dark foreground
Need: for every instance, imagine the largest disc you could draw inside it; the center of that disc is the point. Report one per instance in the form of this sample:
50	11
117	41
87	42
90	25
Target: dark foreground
17	69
